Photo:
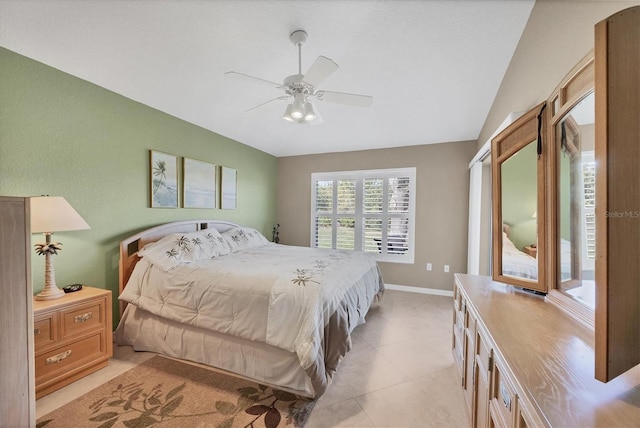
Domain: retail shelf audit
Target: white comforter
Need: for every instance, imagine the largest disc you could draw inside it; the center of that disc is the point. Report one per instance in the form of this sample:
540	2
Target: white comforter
285	300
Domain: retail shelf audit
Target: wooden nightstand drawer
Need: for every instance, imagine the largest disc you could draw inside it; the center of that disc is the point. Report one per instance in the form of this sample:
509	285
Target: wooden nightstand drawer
70	362
82	318
44	330
63	359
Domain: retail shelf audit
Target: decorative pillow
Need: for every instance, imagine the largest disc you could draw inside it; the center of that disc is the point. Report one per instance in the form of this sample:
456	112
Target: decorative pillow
240	238
183	248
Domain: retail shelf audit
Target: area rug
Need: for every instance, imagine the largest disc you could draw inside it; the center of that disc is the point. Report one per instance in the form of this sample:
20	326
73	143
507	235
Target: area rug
162	392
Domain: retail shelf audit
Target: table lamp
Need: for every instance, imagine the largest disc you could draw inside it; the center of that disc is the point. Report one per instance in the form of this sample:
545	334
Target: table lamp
52	214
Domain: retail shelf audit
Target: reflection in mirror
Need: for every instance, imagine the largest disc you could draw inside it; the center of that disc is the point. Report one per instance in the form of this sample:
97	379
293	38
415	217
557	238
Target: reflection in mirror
576	227
519	212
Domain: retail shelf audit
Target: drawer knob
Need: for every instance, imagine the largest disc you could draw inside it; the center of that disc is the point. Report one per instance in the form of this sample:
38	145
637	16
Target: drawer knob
57	358
83	317
36	331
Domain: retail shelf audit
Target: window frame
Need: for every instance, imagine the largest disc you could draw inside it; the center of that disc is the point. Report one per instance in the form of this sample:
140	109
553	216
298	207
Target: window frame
407	257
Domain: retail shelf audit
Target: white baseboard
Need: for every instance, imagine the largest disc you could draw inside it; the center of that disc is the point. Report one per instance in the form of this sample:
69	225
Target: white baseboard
420	290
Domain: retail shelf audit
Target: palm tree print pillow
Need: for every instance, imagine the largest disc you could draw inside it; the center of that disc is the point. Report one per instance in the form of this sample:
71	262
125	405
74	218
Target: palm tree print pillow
240	238
184	248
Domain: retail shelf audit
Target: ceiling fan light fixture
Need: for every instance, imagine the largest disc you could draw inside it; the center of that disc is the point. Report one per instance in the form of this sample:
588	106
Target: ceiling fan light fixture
297	111
299	88
287	113
309	112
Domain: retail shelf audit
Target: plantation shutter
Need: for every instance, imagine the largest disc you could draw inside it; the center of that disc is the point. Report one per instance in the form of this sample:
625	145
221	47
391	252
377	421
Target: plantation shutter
324	208
371	211
589	188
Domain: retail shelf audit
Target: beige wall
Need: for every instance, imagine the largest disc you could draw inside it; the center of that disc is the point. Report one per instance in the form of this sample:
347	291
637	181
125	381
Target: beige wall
442	204
558	34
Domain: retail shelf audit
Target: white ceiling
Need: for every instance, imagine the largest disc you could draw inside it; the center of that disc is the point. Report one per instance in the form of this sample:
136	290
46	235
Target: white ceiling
433	67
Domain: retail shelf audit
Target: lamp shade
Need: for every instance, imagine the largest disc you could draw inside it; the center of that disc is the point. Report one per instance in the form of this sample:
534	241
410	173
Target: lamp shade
309	112
287	114
298	107
54	214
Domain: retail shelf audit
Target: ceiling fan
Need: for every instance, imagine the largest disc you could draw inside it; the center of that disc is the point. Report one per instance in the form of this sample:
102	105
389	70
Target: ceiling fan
299	88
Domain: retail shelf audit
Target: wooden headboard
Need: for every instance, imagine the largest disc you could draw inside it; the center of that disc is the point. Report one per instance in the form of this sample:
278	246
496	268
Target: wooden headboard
129	247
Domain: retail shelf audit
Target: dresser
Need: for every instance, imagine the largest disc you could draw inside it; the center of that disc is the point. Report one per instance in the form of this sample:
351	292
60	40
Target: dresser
523	362
72	337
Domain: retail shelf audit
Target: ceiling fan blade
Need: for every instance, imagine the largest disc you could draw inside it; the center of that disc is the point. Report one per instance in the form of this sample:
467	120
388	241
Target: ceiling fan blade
247	78
321	68
284	97
345	98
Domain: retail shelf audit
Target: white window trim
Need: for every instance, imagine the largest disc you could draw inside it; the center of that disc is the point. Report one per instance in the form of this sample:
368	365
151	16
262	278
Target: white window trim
359	176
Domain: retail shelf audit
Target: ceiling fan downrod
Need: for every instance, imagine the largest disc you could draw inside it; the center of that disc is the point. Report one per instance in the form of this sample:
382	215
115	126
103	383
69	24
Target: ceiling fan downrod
298	38
300	110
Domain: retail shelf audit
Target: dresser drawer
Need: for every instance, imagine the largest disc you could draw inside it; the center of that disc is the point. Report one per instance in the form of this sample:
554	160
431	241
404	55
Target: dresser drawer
82	318
503	397
44	330
65	359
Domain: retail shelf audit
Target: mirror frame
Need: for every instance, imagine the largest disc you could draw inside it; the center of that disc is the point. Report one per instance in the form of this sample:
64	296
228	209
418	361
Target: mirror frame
577	85
508	142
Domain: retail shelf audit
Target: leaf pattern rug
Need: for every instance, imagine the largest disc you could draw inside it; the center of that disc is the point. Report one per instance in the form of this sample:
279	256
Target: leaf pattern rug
162	392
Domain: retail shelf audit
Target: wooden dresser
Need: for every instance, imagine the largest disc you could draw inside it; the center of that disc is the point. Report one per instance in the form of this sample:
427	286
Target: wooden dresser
525	363
72	337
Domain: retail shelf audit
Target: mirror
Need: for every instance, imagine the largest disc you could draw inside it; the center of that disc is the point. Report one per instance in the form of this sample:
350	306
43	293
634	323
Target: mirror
575	142
519	214
518	158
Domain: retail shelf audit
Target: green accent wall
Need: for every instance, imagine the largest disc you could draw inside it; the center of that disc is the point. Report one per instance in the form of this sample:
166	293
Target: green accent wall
63	136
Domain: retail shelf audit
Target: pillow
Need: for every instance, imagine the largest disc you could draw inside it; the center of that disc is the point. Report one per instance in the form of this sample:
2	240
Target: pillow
240	238
183	248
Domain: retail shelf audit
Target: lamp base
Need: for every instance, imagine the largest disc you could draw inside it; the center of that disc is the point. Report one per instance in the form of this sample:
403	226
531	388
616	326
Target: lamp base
50	293
50	290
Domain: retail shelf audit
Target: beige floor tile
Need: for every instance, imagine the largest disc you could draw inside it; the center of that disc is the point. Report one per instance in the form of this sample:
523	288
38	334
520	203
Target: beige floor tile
429	401
379	331
347	414
417	358
363	370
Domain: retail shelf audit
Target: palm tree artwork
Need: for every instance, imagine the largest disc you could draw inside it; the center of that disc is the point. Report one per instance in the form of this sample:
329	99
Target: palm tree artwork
164	180
159	174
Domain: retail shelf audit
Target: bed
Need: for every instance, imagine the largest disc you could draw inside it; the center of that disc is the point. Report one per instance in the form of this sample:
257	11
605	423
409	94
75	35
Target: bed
220	294
517	263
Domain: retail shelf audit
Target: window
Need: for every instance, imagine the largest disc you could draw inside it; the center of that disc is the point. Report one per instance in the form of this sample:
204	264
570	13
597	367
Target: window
589	197
371	211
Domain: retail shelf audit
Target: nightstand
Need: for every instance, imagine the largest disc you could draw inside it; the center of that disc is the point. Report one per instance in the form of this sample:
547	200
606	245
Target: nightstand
72	337
531	250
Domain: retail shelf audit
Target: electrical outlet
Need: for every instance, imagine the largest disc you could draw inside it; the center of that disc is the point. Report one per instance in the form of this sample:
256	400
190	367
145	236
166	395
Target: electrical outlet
429	266
446	268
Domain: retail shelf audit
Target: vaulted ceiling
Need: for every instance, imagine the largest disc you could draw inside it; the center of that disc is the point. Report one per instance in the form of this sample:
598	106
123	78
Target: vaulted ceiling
432	67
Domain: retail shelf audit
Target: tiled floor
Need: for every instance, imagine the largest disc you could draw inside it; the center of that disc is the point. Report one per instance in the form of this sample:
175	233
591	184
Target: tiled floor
399	373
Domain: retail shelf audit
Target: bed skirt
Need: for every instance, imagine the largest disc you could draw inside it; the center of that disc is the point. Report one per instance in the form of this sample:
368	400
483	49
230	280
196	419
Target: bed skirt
257	361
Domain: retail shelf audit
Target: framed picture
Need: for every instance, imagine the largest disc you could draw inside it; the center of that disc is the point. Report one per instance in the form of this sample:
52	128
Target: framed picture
164	180
228	186
199	184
